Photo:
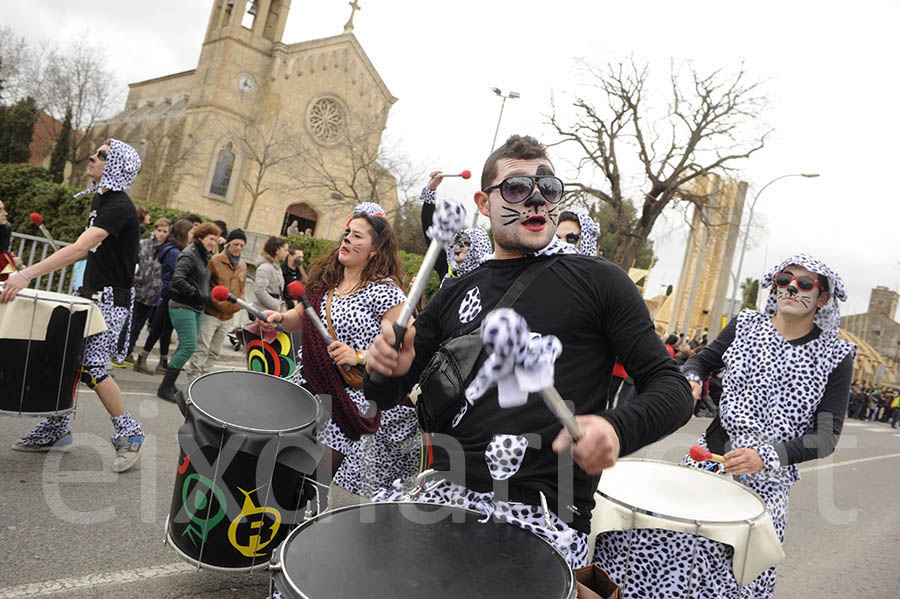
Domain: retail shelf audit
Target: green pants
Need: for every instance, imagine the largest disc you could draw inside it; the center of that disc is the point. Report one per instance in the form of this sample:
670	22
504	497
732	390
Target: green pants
187	323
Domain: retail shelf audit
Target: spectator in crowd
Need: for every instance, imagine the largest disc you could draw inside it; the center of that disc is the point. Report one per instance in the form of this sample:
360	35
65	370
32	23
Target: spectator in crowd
8	264
188	297
147	282
308	232
226	269
895	410
161	324
293	229
292	270
269	284
143	218
224	229
671	341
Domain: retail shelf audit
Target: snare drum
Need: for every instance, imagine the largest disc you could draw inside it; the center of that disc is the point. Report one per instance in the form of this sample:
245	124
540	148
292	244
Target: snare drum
246	444
403	550
41	344
665	527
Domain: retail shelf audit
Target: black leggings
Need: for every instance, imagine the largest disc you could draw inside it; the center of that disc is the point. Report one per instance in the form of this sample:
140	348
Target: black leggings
160	329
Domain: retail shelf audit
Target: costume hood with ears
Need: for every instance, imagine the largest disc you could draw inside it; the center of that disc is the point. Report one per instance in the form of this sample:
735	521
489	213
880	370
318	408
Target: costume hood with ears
370	208
479	248
590	232
828	317
122	166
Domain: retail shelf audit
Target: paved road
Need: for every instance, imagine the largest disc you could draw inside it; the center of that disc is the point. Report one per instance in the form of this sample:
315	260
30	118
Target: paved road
71	525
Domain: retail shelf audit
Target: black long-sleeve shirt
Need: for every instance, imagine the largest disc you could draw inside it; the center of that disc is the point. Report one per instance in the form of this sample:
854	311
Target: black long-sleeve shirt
828	421
595	310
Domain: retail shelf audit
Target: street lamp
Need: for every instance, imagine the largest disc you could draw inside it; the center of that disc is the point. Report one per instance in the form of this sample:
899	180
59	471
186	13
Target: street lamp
737	276
510	96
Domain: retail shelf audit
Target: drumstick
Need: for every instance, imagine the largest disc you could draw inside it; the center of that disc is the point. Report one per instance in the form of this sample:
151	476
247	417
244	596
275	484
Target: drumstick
297	290
449	218
464	174
220	293
39	223
701	454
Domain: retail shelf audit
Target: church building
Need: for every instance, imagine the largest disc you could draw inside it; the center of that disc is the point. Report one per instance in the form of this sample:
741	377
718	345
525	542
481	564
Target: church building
262	134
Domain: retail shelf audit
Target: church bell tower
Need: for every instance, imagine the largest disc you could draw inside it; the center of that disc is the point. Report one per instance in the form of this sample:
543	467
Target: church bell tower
236	58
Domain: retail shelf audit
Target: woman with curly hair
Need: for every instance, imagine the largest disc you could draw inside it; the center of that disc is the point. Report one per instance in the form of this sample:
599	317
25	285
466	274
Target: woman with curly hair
353	289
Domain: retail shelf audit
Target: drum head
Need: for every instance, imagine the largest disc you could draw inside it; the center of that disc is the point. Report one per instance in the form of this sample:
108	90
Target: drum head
673	491
253	401
398	550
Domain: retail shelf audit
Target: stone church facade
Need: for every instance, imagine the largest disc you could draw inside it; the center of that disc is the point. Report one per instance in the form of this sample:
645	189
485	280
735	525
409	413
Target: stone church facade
262	133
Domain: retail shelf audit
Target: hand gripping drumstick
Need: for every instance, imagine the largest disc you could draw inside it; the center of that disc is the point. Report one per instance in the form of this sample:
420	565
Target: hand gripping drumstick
39	223
221	294
297	290
449	218
519	363
464	174
701	454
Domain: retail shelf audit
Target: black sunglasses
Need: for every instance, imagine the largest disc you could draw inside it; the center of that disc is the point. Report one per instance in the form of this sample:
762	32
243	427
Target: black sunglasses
101	154
572	238
519	188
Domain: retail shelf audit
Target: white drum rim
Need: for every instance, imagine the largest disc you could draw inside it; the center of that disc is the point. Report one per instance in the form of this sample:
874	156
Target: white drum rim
232	426
663	516
276	564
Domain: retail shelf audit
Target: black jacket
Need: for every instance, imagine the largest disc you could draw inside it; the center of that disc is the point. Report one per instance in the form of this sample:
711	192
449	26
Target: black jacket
190	281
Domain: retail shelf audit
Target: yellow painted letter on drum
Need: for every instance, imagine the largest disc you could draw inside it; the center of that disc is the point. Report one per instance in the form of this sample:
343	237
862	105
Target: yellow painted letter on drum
251	509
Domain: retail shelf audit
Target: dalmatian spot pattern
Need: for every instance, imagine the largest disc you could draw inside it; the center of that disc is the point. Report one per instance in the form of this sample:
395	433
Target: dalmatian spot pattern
771	392
571	543
504	455
470	307
357	320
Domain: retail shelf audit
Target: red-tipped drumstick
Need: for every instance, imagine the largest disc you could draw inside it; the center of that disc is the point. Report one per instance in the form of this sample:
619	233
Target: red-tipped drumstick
220	293
39	223
297	290
701	454
464	174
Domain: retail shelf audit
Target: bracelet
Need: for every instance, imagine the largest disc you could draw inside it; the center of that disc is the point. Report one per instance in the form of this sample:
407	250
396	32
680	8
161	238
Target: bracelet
360	357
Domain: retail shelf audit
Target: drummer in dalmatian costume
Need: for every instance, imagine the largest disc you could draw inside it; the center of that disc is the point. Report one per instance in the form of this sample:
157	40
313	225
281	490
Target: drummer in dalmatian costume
786	388
511	461
111	244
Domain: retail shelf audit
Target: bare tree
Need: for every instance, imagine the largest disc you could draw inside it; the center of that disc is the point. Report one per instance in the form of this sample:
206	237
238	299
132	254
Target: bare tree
711	121
267	147
355	166
163	150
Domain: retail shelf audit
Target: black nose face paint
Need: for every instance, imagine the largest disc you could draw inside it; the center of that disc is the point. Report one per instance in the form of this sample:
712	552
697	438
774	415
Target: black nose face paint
536	199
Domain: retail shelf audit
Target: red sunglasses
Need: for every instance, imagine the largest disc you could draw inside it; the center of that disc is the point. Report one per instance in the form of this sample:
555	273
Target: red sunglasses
804	283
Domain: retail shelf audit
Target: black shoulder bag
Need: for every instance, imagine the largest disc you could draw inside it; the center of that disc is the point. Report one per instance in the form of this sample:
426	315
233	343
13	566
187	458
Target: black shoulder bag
453	366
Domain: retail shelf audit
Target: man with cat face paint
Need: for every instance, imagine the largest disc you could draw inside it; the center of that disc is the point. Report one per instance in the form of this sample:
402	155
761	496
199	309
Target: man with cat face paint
510	455
785	393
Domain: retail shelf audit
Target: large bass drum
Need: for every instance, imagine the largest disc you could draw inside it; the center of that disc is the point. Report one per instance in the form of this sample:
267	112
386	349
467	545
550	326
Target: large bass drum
247	447
405	550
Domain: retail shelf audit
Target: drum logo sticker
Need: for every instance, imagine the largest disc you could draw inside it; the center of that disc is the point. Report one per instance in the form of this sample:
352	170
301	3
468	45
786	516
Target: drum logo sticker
271	358
197	499
470	307
256	544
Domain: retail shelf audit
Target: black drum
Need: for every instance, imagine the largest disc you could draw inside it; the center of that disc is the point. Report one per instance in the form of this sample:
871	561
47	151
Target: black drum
41	344
413	550
247	442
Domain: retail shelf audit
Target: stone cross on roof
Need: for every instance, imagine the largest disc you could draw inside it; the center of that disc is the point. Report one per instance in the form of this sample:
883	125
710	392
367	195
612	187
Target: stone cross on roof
348	27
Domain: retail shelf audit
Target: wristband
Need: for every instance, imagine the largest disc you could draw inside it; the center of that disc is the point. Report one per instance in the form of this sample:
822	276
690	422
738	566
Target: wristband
360	357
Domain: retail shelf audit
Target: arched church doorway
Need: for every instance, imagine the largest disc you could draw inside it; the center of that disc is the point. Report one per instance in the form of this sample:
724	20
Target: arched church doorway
303	216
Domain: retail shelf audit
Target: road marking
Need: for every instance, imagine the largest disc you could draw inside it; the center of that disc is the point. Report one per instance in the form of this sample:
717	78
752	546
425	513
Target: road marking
138	393
875	430
854	423
62	585
836	464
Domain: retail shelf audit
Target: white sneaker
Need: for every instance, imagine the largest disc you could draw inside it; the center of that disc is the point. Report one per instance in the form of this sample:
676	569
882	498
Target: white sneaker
127	452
